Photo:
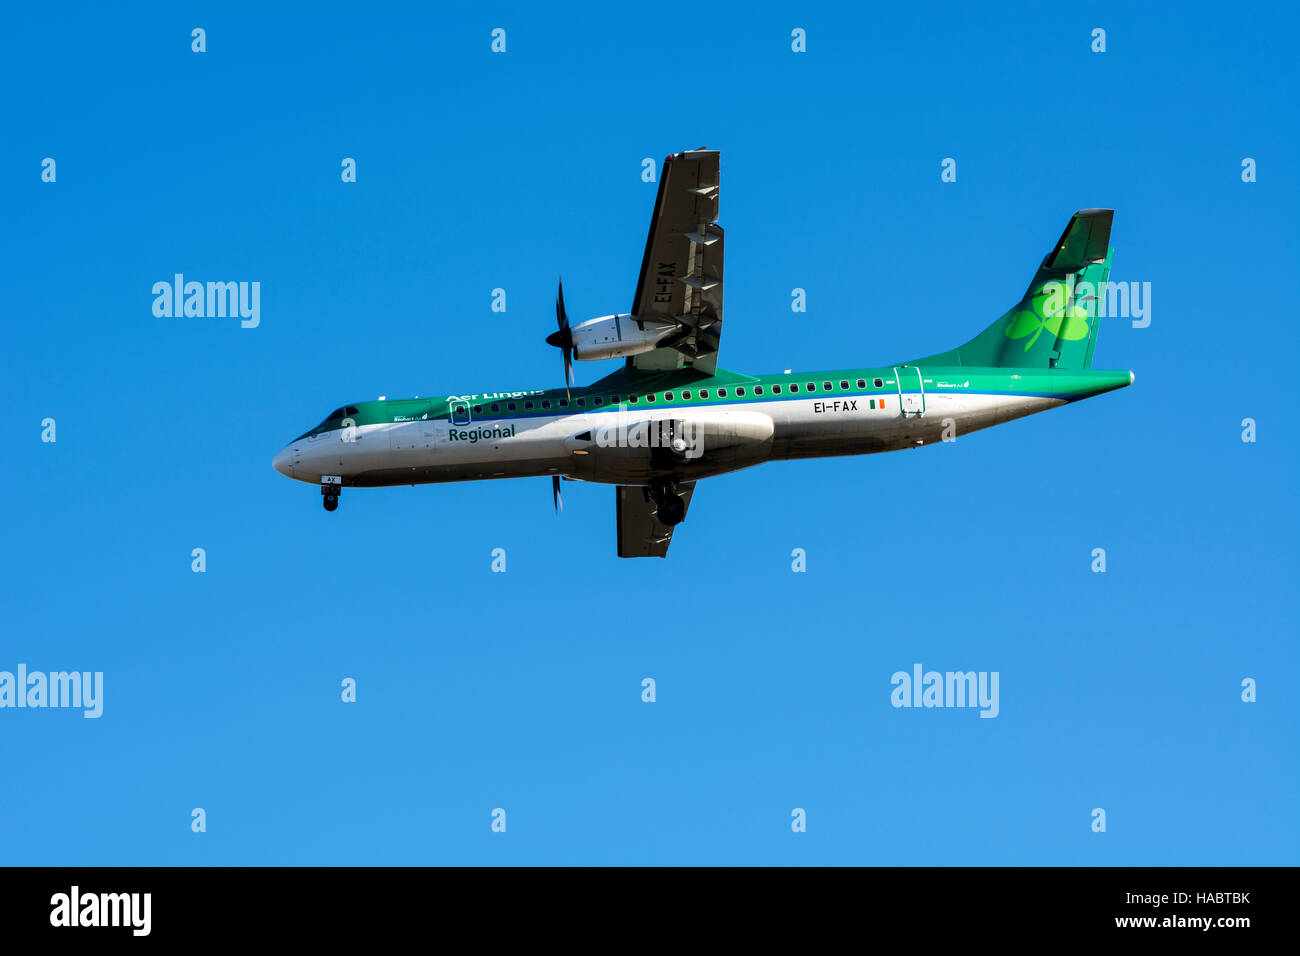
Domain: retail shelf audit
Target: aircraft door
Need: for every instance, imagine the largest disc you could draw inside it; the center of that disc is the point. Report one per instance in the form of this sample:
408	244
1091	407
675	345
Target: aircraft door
912	403
460	414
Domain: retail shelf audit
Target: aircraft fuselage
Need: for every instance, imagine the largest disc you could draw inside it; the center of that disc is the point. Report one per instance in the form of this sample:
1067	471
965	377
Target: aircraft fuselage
680	425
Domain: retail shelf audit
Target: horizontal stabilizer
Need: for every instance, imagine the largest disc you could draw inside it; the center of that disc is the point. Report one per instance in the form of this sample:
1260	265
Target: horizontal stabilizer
1084	241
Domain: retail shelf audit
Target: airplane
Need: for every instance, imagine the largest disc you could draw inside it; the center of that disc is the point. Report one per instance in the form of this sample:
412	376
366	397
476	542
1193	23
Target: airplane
669	416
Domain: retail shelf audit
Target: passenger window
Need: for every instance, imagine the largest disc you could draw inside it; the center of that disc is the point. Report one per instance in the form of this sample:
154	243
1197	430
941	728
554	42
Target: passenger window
477	409
614	400
812	386
631	399
794	386
740	392
722	393
758	389
599	400
512	406
686	395
582	403
564	403
528	405
877	382
650	398
668	396
862	383
776	389
844	385
546	403
826	386
496	407
704	393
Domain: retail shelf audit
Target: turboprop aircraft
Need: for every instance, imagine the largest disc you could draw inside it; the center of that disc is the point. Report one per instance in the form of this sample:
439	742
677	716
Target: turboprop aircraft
669	416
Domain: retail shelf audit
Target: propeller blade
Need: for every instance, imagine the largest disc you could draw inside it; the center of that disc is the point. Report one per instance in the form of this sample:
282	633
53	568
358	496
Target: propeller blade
556	498
561	317
563	338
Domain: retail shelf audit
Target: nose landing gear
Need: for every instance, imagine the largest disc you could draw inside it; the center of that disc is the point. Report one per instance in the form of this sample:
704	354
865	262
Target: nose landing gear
671	510
331	486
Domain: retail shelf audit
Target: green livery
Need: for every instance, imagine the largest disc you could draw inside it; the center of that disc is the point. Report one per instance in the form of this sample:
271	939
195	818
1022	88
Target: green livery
669	416
1051	326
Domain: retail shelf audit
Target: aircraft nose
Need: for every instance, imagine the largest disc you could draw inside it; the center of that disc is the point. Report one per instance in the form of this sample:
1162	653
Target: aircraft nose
284	461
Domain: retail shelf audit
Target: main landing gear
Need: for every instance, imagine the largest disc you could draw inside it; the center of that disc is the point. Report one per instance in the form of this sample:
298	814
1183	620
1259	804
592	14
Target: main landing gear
671	509
331	486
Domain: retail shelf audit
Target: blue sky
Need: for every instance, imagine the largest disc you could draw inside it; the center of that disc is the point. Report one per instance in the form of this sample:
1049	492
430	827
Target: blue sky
522	690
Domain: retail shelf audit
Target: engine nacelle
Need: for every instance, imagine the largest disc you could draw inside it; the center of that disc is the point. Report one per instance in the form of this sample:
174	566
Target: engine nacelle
618	336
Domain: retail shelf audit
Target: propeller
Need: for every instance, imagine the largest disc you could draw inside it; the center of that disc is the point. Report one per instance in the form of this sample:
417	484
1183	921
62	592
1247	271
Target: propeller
562	338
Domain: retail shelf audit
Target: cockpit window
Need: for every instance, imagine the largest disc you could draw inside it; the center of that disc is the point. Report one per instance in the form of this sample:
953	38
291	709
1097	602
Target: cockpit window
335	415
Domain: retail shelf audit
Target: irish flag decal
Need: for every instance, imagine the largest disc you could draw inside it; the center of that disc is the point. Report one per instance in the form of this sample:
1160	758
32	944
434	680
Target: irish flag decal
877	403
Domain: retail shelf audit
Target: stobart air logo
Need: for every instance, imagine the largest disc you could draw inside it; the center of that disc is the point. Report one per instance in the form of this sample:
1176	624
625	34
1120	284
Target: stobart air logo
476	435
1049	310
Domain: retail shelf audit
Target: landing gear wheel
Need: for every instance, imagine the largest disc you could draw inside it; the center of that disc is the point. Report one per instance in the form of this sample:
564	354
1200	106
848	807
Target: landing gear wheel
661	489
672	510
331	486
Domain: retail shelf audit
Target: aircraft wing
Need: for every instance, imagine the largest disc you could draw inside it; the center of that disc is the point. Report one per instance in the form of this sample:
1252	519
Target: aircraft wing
640	535
681	272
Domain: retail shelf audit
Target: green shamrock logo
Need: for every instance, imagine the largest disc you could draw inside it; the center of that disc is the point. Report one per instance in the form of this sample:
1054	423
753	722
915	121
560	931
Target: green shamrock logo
1070	323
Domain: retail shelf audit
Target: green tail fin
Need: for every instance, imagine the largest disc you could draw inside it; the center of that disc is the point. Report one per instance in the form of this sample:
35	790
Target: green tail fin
1055	324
